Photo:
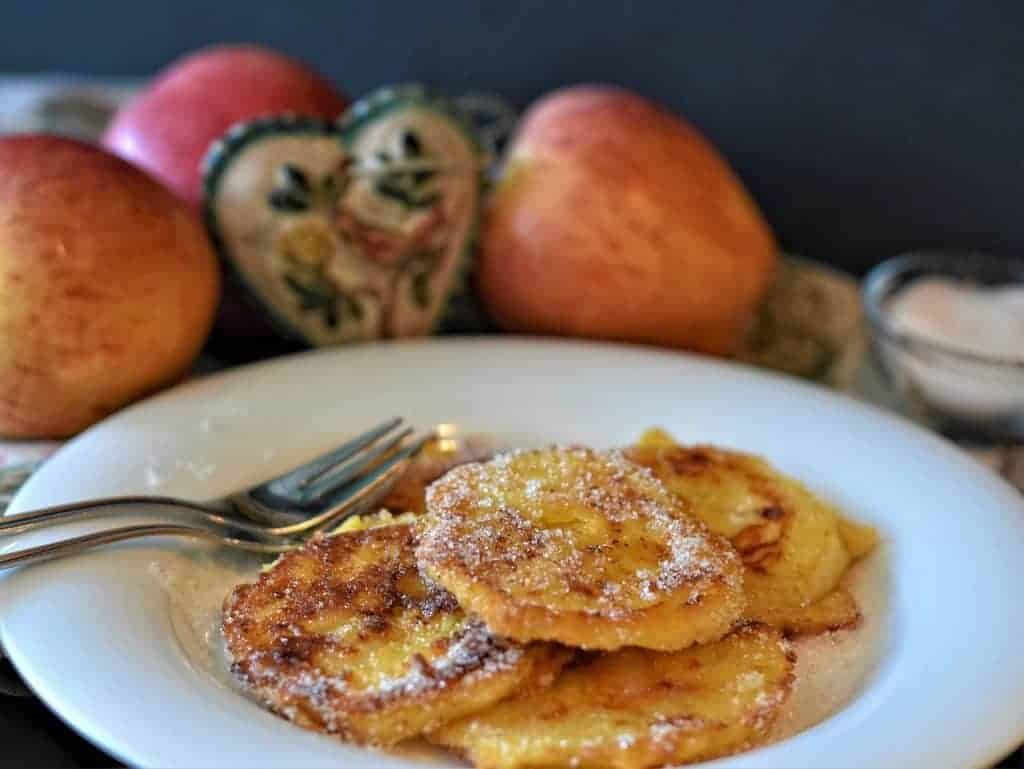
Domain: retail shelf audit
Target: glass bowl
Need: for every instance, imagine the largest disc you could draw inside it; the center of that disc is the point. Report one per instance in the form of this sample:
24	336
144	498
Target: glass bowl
971	395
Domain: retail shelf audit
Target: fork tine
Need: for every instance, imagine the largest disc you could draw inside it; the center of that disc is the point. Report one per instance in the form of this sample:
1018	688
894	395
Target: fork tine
364	499
342	474
288	483
362	442
355	497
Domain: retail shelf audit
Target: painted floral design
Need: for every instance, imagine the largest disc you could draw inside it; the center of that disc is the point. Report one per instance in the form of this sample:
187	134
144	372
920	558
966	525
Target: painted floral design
352	239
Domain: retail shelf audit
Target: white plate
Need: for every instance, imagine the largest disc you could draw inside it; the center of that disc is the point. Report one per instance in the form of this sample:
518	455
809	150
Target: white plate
93	635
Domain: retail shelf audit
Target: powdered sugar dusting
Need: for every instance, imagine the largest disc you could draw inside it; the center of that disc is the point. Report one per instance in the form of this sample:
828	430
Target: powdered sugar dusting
474	654
343	626
587	528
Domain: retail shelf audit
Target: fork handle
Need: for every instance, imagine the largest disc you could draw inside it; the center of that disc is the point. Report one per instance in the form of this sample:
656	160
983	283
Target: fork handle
90	508
73	545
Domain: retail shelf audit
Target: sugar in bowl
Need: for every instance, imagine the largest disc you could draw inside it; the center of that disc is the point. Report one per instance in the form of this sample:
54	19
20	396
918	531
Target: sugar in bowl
948	333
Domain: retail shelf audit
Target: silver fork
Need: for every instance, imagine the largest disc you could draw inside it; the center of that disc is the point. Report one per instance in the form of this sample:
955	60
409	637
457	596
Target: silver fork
272	517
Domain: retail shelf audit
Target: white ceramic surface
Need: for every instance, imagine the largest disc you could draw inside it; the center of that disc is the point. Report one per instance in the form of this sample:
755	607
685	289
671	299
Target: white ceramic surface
93	636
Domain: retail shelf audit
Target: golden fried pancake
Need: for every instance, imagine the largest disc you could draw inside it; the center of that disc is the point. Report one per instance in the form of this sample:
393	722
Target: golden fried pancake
859	538
345	636
793	545
637	708
581	547
837	610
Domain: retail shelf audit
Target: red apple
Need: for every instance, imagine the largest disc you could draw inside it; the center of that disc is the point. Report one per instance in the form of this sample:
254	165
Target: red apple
108	285
168	128
618	220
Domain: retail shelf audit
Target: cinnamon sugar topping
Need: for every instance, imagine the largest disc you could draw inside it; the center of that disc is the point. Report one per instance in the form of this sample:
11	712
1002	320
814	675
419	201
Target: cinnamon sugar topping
344	631
587	529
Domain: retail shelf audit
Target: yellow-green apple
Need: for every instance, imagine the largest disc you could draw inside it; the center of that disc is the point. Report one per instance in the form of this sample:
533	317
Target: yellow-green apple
108	285
170	125
617	220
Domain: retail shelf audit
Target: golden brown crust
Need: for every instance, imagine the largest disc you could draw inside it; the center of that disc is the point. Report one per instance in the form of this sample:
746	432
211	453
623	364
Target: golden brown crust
791	542
580	547
345	636
837	610
860	539
636	708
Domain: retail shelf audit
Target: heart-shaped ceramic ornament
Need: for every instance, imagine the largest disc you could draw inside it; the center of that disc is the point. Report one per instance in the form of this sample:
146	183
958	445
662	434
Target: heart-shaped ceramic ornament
349	231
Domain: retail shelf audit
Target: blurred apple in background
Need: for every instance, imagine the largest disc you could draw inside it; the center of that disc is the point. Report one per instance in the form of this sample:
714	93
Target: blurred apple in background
615	219
168	128
108	285
170	125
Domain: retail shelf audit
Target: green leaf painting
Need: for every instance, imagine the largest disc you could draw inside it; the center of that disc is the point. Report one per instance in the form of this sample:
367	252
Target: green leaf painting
410	252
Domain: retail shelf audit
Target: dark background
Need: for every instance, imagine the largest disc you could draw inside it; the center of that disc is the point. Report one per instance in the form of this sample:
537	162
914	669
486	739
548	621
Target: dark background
864	129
